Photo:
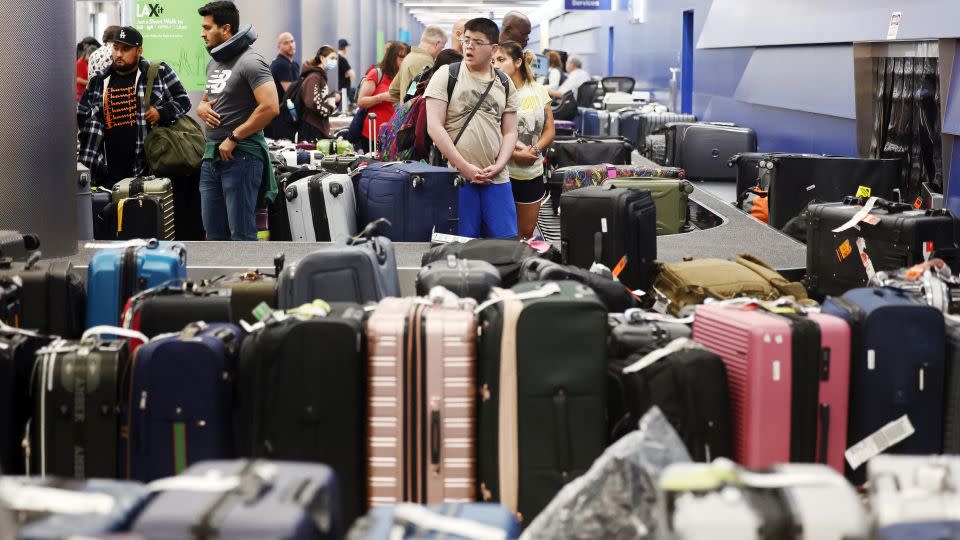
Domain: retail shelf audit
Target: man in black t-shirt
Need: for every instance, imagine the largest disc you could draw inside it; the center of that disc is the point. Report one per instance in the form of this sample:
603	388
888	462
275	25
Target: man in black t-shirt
343	66
112	117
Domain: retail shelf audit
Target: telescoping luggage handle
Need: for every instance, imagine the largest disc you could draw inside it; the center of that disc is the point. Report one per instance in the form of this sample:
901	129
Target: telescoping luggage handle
423	520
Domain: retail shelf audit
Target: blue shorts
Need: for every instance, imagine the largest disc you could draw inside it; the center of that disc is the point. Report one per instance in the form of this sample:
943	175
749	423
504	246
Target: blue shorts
487	211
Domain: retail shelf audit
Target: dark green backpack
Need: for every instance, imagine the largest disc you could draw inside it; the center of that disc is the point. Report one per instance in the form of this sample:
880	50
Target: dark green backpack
174	150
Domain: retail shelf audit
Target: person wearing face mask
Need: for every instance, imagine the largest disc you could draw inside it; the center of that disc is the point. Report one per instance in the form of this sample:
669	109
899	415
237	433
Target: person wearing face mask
319	102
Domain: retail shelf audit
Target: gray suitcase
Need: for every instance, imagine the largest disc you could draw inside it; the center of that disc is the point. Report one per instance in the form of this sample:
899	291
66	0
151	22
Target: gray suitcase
322	208
361	271
609	123
917	490
798	501
705	150
84	204
161	188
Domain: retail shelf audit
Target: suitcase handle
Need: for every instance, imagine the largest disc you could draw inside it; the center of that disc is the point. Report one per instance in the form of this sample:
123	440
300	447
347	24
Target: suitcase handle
890	206
435	432
824	432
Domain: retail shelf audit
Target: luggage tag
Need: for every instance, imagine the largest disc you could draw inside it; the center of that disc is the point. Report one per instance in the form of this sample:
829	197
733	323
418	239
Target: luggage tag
859	216
880	440
865	258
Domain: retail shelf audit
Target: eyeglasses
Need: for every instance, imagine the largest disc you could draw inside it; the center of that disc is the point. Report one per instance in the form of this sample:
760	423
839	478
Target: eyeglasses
467	42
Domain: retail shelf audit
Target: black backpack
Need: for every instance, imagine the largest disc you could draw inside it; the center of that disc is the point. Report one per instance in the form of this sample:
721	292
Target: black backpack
292	95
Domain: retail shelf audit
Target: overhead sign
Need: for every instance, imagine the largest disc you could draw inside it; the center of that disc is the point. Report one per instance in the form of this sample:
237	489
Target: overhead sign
894	29
595	5
171	34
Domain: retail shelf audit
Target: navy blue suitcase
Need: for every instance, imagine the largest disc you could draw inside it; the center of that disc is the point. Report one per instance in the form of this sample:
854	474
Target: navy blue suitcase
51	515
179	401
289	500
897	368
417	199
440	521
116	274
588	122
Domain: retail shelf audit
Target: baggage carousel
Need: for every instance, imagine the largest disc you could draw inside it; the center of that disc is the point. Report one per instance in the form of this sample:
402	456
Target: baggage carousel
720	231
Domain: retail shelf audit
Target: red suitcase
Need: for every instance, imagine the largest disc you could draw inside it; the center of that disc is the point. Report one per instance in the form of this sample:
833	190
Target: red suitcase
789	381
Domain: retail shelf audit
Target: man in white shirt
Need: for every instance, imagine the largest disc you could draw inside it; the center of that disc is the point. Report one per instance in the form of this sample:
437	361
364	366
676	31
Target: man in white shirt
575	77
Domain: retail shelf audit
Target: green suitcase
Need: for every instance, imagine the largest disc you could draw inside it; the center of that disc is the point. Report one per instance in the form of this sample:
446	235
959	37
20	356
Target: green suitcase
669	195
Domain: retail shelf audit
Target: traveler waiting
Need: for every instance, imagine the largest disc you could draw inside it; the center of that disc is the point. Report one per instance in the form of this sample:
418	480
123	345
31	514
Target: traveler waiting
487	141
240	100
575	77
114	123
421	56
285	71
318	101
344	71
102	58
374	93
535	134
516	27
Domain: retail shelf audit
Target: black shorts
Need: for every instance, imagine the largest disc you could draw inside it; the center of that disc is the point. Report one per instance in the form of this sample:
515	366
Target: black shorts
528	191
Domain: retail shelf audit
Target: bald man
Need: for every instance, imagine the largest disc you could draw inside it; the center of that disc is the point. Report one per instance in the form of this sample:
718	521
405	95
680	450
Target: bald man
285	72
516	27
457	34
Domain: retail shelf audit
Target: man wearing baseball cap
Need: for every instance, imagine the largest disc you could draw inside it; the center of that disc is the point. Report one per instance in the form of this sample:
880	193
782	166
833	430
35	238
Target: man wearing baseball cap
343	67
114	116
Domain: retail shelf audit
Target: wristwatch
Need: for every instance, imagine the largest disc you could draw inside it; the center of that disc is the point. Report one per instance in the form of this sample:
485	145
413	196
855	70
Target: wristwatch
233	138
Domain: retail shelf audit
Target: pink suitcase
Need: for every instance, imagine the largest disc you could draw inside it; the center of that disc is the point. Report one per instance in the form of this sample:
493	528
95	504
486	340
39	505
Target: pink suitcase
784	406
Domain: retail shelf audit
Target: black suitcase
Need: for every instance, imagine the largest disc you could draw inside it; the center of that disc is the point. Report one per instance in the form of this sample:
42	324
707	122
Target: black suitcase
300	395
505	255
615	295
11	302
630	333
951	388
548	397
75	427
463	277
611	226
704	150
17	358
894	236
53	296
794	180
133	218
570	151
170	308
17	246
637	126
690	387
754	169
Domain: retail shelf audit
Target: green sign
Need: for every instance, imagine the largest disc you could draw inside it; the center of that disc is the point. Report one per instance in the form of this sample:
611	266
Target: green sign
171	34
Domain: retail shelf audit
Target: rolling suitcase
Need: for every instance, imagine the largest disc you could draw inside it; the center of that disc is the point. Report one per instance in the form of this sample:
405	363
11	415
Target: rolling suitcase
54	508
116	274
541	419
362	271
278	217
463	277
248	290
421	401
789	396
179	401
614	295
259	499
346	163
887	236
688	383
408	521
915	496
795	180
579	176
636	125
754	169
632	332
579	151
137	217
76	396
799	501
17	357
84	204
102	229
897	371
704	150
53	296
300	394
322	208
169	308
671	198
564	128
611	226
159	189
506	255
951	387
416	199
589	122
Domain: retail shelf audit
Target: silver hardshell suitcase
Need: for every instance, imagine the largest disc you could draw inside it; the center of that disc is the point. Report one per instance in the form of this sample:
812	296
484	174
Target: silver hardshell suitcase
322	208
915	496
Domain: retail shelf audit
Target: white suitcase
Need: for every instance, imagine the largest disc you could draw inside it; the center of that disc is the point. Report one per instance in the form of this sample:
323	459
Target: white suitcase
811	501
915	489
322	208
614	101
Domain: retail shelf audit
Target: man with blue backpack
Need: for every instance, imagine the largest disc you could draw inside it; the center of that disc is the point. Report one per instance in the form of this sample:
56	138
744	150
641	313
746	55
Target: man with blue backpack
477	136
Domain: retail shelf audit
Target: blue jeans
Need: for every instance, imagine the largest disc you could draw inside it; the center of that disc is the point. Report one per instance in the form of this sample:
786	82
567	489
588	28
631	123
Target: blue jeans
228	196
487	211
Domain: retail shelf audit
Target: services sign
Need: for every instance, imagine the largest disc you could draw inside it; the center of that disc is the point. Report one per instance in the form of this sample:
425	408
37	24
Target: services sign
594	5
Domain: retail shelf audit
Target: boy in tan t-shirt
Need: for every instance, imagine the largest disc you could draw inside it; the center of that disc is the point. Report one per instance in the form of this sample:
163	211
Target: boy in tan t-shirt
484	149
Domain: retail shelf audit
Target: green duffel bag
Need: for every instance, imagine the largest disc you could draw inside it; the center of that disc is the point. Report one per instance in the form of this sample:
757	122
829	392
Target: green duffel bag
679	285
329	147
669	195
177	149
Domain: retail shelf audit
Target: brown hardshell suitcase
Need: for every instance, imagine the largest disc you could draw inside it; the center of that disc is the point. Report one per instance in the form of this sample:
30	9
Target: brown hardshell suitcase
421	402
